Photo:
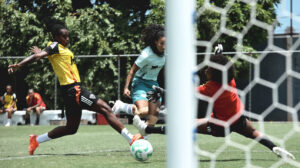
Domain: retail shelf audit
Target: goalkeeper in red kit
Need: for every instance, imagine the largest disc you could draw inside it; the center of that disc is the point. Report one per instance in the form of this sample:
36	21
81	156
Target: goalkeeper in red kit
226	116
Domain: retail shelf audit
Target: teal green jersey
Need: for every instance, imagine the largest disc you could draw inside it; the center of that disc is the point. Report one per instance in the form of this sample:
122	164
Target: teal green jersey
150	64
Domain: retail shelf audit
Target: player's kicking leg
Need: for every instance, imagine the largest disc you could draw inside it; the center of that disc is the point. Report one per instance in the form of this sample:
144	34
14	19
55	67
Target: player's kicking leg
141	108
103	108
73	116
73	113
73	120
125	107
145	129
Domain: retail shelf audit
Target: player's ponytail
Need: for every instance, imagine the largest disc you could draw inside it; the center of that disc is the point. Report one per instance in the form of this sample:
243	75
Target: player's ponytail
151	34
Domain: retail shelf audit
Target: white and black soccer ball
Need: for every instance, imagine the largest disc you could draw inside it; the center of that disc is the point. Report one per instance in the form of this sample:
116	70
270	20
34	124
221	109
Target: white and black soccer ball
141	150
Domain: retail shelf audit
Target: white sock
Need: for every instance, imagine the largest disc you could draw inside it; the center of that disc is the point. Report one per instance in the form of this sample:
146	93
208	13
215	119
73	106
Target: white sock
43	138
127	108
9	120
126	134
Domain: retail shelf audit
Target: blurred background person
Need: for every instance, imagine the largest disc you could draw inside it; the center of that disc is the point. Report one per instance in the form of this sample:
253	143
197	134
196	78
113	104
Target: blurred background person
1	104
35	103
9	101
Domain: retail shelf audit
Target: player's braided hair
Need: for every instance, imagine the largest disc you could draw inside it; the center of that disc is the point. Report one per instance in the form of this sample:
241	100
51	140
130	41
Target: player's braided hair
54	26
216	74
151	34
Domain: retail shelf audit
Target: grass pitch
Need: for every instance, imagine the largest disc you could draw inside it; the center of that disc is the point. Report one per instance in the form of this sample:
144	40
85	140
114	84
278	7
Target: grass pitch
101	146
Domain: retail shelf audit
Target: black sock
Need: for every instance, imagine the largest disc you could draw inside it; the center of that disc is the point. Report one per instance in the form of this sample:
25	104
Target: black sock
155	130
266	142
27	121
37	121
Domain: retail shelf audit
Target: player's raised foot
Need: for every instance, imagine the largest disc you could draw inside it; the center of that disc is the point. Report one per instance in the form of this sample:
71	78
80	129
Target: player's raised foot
33	144
117	107
280	152
136	137
139	124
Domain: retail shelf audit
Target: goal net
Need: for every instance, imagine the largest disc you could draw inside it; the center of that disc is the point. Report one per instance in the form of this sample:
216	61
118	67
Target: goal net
267	74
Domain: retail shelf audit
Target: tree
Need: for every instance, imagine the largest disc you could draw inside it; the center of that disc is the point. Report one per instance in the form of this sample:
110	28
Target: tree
237	18
104	27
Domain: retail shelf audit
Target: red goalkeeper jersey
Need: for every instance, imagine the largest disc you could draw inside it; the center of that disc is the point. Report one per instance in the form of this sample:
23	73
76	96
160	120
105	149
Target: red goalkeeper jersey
227	104
36	99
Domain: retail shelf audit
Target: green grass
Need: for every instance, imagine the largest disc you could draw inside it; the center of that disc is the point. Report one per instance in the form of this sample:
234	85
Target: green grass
101	146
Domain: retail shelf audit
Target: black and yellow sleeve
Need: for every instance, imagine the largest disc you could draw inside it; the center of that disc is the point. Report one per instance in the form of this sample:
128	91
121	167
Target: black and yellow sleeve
52	48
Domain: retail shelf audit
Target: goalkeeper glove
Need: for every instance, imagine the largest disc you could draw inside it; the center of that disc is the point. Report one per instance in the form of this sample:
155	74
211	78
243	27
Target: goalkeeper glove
155	94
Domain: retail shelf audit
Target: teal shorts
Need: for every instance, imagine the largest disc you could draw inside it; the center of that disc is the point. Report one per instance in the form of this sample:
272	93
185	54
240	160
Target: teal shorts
140	87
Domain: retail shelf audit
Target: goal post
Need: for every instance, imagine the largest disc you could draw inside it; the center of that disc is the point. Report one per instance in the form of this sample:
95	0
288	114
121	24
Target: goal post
181	102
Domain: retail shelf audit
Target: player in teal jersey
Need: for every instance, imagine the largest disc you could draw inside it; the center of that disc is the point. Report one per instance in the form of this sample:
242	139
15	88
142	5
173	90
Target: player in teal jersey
143	75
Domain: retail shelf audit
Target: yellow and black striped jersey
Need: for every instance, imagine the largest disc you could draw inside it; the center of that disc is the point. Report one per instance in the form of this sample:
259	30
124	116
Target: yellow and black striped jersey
63	64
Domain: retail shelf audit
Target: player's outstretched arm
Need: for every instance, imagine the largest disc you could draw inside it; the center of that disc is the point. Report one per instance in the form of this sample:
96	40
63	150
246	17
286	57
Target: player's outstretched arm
37	55
130	75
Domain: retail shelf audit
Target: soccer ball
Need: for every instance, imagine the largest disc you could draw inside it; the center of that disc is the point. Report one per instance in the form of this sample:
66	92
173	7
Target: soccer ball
141	150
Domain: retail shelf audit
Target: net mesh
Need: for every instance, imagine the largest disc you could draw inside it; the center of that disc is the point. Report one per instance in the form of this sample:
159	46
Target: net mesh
276	85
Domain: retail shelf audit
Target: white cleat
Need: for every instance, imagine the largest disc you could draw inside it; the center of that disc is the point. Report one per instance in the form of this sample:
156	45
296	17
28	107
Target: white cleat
140	125
117	107
7	124
280	152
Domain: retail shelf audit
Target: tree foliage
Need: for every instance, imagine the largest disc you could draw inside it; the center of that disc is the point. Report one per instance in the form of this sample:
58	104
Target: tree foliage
103	27
237	18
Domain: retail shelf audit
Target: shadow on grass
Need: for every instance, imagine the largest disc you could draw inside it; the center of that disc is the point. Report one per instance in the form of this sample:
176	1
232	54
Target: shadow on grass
102	152
234	160
150	161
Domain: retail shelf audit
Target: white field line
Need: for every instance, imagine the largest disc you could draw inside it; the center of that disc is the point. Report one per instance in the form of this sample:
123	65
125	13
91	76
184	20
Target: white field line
49	155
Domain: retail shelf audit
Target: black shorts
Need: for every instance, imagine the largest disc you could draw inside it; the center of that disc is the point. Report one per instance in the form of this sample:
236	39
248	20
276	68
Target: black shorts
77	98
219	131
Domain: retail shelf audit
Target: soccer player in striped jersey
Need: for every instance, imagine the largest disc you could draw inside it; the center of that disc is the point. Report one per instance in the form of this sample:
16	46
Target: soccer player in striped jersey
227	109
9	100
143	75
75	97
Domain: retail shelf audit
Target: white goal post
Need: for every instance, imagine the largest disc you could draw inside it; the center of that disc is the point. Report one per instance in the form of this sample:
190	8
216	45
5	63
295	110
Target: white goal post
181	102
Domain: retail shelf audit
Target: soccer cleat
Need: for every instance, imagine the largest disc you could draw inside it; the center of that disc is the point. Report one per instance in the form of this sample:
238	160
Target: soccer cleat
117	107
136	137
280	152
139	124
33	144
